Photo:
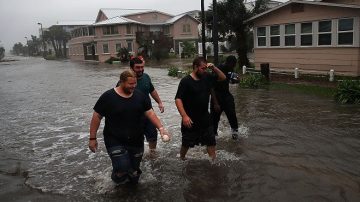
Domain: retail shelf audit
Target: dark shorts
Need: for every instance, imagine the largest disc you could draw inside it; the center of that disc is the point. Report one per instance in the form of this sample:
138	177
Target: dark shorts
150	131
126	160
198	137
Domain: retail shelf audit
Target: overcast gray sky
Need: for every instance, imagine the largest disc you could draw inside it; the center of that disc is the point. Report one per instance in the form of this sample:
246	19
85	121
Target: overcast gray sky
19	18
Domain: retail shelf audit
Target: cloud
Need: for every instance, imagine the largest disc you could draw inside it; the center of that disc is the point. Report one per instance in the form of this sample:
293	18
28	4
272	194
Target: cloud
19	18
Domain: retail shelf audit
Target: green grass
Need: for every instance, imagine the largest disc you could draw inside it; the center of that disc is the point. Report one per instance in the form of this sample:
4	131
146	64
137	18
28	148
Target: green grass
306	89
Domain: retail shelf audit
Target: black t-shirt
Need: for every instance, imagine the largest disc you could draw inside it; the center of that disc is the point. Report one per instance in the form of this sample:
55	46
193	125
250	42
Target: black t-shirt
195	96
222	87
123	117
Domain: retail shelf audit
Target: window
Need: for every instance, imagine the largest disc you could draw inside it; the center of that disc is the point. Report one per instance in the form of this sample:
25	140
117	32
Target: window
117	47
105	48
108	30
261	36
186	28
129	46
324	33
128	29
290	35
91	31
85	31
346	31
306	34
275	35
167	29
88	50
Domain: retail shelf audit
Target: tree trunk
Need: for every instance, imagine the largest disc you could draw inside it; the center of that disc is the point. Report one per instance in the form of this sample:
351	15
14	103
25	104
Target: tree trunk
242	49
64	49
54	46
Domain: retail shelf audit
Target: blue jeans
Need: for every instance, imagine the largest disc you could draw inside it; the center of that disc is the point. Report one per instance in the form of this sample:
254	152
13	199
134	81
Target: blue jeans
126	163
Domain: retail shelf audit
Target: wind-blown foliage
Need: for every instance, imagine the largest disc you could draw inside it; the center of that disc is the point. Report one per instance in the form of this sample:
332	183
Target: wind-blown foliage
348	92
232	25
253	81
18	49
58	38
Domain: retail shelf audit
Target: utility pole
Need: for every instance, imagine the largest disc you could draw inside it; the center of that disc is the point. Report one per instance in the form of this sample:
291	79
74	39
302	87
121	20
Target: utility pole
215	34
203	38
42	39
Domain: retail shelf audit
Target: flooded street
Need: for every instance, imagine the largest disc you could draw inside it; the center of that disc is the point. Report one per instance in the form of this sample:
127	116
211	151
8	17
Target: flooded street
294	147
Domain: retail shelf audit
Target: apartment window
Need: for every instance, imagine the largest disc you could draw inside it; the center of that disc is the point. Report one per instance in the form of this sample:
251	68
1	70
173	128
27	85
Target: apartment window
306	34
91	31
324	31
346	31
128	29
167	29
290	35
108	30
129	46
85	31
275	35
105	48
186	28
261	36
117	47
88	50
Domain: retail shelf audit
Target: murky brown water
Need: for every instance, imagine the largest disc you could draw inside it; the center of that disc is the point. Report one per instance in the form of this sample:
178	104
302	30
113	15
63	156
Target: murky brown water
294	147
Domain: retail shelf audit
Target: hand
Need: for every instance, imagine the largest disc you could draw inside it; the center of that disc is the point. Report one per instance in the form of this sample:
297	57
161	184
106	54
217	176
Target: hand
210	66
187	122
165	135
161	107
93	145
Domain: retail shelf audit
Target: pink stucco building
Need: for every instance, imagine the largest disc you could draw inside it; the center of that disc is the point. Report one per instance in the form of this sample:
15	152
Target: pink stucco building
313	36
134	29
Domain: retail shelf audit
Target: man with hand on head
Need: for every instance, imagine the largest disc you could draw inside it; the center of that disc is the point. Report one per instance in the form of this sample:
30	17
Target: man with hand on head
192	102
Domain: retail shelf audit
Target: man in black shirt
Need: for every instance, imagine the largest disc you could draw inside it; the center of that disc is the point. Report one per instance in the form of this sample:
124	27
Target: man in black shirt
223	100
192	102
124	108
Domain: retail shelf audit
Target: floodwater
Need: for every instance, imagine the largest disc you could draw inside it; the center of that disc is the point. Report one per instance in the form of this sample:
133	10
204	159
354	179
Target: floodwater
293	147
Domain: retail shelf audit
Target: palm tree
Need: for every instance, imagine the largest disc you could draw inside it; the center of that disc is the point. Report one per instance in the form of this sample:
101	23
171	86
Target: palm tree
232	16
58	37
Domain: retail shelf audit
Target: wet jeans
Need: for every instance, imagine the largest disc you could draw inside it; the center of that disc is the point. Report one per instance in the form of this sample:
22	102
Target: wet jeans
126	163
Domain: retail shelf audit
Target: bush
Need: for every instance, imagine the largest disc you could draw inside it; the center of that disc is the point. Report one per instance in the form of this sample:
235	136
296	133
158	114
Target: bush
50	57
111	59
348	92
124	55
172	71
252	81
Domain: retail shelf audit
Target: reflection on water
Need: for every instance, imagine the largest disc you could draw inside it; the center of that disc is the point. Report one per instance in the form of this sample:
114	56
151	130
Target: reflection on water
294	147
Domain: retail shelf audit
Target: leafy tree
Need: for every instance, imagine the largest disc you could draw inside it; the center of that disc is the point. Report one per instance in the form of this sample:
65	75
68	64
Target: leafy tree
18	48
2	53
58	37
232	16
189	48
156	42
34	46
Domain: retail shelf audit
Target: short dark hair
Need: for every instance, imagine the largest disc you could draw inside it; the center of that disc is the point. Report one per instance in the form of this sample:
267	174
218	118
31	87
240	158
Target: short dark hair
135	60
230	60
198	60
